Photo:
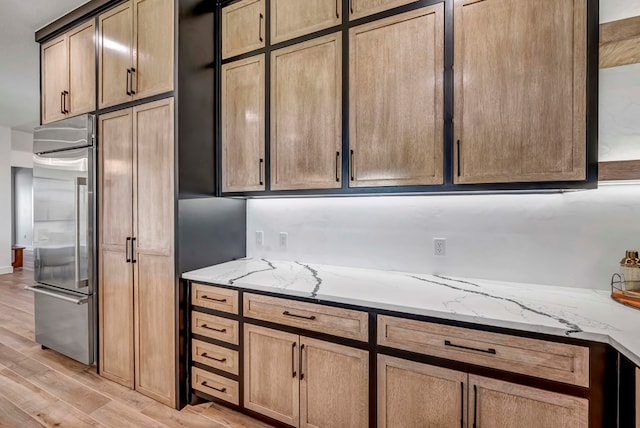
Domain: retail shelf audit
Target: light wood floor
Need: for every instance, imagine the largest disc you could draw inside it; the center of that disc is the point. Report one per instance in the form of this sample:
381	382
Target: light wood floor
43	388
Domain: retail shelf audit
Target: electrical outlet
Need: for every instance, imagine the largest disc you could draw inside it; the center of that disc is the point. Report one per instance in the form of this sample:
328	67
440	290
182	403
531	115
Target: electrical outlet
284	239
439	246
259	238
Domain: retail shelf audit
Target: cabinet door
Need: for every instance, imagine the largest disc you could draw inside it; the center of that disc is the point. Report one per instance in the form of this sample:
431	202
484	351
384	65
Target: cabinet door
520	98
293	18
152	47
243	102
115	36
243	27
153	259
116	226
334	385
498	404
306	115
55	78
271	385
82	69
412	394
360	8
396	111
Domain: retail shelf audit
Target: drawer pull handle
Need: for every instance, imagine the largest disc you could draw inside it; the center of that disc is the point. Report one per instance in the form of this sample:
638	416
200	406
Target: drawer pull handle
220	360
223	390
214	299
486	351
289	314
220	330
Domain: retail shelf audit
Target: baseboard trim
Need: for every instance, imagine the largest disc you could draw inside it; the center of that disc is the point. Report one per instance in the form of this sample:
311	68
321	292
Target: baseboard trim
5	270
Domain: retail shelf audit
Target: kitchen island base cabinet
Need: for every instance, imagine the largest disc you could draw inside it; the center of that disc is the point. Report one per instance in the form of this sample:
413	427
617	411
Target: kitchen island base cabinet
497	404
305	382
412	394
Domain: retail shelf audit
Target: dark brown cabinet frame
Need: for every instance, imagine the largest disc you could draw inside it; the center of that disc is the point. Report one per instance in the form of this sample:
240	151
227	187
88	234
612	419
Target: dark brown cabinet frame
606	365
448	167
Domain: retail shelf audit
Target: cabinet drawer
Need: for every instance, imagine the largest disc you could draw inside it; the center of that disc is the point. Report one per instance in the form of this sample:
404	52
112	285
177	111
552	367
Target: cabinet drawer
550	360
214	327
220	299
215	385
214	356
324	319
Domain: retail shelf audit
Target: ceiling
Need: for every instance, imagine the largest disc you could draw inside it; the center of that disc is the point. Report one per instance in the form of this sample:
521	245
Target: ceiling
20	59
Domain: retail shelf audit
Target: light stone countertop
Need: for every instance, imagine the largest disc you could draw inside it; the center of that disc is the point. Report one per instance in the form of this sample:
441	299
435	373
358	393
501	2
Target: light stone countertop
560	311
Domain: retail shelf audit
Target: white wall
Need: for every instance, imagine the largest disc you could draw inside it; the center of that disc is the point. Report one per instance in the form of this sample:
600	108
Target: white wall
571	239
5	200
21	149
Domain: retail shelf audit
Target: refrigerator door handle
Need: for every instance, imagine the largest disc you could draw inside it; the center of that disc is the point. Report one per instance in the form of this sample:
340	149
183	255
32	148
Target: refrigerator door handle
80	181
66	298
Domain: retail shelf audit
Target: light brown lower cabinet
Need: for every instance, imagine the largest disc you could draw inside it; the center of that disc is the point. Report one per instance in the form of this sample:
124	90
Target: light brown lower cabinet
305	382
412	394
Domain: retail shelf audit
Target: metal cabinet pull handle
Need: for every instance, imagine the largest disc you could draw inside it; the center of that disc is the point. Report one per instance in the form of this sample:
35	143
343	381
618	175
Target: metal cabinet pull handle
128	79
293	358
133	250
220	360
62	102
486	351
458	143
461	404
301	350
133	71
289	314
219	330
475	406
351	5
261	169
337	166
127	255
351	163
337	9
260	27
213	387
214	299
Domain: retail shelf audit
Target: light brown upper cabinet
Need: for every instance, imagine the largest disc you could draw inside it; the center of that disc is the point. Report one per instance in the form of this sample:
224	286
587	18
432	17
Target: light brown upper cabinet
293	18
396	100
136	253
360	8
243	27
68	74
520	91
243	102
306	115
295	379
136	46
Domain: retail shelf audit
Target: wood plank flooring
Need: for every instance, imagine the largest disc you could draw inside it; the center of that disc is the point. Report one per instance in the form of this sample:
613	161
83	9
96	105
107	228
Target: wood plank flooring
43	388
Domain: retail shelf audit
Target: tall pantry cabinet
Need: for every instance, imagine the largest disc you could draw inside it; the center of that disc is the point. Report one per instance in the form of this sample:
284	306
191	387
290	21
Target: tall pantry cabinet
137	248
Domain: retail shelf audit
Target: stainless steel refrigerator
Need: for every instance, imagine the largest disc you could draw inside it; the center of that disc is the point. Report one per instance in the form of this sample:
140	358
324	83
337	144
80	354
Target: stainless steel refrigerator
64	237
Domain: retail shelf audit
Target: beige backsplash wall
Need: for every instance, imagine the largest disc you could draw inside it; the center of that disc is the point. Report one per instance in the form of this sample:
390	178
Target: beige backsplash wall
571	239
